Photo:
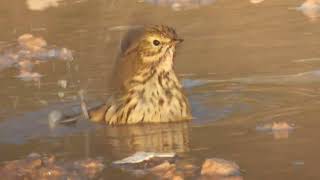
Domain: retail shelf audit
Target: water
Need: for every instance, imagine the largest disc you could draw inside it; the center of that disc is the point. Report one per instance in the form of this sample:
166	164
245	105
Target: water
243	64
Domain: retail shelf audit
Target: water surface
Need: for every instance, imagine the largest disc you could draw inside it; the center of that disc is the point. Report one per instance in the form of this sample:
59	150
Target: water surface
243	64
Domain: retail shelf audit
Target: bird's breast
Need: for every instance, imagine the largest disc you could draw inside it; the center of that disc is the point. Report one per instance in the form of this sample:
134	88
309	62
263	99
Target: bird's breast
160	99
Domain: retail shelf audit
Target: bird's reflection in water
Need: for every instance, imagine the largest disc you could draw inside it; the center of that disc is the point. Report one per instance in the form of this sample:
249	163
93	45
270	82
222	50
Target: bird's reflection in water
168	137
181	4
311	9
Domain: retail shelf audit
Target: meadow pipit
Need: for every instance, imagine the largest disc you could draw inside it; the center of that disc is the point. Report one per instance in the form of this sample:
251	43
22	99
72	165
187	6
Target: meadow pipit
149	90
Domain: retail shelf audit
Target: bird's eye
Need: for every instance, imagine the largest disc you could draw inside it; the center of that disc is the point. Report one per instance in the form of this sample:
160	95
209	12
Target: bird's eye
156	42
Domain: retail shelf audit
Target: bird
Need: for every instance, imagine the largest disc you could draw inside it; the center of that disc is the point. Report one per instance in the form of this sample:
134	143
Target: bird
147	87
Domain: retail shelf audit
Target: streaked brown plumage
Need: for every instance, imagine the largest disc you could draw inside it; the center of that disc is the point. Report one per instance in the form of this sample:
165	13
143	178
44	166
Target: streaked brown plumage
148	90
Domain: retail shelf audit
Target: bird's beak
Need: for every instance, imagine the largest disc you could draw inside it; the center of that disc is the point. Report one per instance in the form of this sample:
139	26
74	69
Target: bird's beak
177	41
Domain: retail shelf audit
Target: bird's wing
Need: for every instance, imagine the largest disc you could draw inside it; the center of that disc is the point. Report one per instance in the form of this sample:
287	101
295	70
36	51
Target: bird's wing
127	61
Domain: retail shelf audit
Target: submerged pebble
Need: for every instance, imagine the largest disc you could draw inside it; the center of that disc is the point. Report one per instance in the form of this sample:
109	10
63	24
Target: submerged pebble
28	51
219	167
280	130
7	60
311	9
29	42
90	167
275	126
281	126
166	170
25	65
36	166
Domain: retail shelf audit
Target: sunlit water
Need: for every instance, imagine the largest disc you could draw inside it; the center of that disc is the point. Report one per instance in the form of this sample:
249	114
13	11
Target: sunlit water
243	64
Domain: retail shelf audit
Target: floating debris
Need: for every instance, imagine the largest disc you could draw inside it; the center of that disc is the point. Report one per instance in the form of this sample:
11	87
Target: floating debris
219	167
139	157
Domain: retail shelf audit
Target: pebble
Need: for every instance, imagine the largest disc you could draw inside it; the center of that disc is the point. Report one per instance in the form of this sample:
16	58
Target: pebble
280	130
29	42
167	170
219	167
311	9
36	166
28	51
281	126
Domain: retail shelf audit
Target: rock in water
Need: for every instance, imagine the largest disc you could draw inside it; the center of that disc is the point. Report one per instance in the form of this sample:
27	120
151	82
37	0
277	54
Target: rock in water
219	167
